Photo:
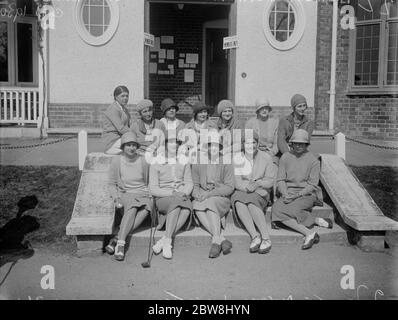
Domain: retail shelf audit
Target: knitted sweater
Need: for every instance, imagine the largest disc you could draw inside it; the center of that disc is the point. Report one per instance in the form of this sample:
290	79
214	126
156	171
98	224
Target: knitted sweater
299	174
116	184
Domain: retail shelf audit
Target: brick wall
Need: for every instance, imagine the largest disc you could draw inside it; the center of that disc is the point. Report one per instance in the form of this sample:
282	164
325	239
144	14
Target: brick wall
79	115
373	117
90	115
247	112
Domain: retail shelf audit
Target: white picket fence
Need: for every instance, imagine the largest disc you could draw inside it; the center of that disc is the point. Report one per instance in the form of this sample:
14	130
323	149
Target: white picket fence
19	105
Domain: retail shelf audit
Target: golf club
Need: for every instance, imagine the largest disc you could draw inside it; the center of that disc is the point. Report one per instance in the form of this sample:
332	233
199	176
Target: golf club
147	264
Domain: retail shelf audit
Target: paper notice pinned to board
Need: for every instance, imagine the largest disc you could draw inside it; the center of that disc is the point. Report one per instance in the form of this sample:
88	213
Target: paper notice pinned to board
156	46
170	54
192	58
162	54
153	67
188	75
167	39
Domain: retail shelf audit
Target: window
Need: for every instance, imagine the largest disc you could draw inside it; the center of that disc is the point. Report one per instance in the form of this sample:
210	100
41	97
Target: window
374	47
18	44
96	20
283	23
281	20
96	17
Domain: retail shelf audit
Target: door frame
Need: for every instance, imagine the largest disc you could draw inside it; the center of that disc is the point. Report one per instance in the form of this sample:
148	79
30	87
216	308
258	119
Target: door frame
230	23
213	24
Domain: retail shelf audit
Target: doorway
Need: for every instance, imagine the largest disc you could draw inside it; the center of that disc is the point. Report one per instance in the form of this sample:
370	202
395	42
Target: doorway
215	66
188	62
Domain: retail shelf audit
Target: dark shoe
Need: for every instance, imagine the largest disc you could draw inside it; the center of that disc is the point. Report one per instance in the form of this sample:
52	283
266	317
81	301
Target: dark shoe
110	248
119	252
265	246
226	246
330	223
215	250
274	225
310	243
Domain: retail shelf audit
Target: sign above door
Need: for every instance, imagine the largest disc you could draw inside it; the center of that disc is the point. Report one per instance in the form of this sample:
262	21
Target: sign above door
230	42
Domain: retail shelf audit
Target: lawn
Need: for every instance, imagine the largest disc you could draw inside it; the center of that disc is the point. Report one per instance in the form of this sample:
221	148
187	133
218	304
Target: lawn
56	188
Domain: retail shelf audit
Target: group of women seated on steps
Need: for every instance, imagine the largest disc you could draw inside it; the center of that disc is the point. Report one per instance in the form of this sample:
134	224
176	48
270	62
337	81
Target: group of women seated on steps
266	155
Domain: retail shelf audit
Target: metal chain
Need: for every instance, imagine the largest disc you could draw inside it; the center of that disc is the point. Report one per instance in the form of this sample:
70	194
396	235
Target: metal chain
371	144
37	144
71	137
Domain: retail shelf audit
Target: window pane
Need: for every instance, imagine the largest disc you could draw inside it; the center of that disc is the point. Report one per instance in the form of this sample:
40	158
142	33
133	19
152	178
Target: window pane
367	55
272	22
281	35
107	16
392	63
96	16
374	67
375	55
25	52
368	9
373	78
282	20
3	51
86	15
393	10
96	31
28	7
281	5
292	20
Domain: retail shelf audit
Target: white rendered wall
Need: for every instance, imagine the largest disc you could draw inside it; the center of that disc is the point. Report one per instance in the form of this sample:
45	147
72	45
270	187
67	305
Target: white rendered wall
276	75
82	73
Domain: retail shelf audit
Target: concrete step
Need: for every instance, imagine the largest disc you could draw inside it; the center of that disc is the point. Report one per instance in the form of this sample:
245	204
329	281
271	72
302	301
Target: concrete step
199	237
325	211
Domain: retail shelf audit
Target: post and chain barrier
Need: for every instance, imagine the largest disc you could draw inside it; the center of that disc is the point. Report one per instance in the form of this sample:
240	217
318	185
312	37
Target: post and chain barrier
371	144
8	147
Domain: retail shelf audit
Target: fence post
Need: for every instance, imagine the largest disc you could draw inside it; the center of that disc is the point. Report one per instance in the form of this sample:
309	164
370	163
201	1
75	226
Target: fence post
339	147
82	141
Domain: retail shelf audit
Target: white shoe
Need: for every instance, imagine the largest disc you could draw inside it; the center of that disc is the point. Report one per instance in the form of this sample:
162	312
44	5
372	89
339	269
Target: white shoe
158	246
167	253
265	246
255	244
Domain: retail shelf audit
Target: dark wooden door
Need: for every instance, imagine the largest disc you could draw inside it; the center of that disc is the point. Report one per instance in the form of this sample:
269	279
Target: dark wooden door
216	77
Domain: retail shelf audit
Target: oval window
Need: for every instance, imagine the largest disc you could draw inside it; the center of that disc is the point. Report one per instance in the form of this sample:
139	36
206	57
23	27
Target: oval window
283	23
96	20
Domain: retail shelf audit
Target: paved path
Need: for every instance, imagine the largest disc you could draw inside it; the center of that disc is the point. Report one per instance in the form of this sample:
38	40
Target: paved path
66	153
286	272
